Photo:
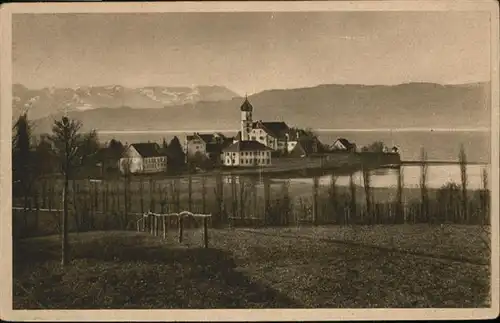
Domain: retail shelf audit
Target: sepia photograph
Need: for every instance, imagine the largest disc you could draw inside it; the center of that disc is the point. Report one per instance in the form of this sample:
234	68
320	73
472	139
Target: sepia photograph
309	158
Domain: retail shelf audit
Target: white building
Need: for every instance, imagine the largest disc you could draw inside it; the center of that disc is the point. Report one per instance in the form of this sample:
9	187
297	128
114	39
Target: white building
143	158
271	134
248	153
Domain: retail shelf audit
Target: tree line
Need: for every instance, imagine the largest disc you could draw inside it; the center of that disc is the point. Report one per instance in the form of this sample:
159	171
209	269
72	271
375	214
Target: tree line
69	153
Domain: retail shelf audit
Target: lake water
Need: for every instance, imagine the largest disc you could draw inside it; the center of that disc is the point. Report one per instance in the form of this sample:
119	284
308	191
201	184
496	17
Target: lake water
437	176
439	145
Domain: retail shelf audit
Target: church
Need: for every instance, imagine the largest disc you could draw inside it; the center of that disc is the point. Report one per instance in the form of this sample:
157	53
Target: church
256	141
274	135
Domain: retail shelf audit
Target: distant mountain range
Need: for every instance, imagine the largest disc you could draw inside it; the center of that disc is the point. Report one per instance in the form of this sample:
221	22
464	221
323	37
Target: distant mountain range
421	105
48	101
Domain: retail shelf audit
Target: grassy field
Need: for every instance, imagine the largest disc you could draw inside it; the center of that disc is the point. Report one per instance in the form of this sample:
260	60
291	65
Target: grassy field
264	268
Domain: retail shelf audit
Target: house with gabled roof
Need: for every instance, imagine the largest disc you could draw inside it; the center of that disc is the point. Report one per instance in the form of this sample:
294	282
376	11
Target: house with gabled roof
246	153
342	144
305	147
203	143
143	158
273	134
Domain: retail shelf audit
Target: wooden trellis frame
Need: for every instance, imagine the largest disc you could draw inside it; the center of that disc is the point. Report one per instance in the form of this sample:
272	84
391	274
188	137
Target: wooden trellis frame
155	226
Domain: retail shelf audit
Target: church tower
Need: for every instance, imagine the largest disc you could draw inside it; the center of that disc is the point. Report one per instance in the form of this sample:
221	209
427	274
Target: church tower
246	119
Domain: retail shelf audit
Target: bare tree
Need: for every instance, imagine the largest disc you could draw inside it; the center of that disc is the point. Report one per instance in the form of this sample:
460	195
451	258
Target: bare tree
352	189
368	193
71	151
485	221
126	167
462	158
423	183
400	210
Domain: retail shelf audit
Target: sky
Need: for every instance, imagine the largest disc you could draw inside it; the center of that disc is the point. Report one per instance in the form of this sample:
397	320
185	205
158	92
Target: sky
250	52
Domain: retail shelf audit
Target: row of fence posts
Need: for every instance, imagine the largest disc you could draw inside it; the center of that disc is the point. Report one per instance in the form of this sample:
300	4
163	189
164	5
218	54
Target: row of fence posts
150	223
92	193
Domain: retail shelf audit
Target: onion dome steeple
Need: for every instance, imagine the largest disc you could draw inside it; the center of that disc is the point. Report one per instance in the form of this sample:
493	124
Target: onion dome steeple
246	106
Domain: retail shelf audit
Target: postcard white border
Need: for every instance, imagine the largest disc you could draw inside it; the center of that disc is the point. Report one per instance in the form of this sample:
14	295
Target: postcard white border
234	315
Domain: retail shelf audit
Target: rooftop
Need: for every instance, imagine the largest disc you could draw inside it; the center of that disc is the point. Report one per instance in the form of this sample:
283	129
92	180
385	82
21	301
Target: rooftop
148	149
246	106
277	129
247	145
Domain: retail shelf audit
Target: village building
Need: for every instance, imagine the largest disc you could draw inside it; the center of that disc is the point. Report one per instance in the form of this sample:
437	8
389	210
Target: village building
271	134
305	147
208	145
342	144
202	143
246	153
143	158
299	136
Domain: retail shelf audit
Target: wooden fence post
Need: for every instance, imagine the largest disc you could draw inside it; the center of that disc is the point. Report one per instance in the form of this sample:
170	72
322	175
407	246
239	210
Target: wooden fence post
96	197
180	228
267	199
164	218
352	207
315	200
190	192
205	231
105	204
203	193
141	191
44	193
219	196
37	211
157	231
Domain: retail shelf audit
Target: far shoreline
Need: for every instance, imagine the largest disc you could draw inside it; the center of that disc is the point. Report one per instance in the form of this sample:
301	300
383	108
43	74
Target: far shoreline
437	130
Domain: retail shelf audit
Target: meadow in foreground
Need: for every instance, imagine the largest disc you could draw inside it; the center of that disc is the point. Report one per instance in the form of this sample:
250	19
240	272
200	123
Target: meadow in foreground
256	268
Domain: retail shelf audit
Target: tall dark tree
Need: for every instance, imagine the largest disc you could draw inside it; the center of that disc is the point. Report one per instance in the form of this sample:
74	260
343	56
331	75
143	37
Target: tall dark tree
199	160
88	146
24	164
44	156
375	147
175	155
116	148
164	145
113	154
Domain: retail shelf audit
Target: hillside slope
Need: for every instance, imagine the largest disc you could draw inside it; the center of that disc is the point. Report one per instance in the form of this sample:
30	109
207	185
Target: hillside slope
325	106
